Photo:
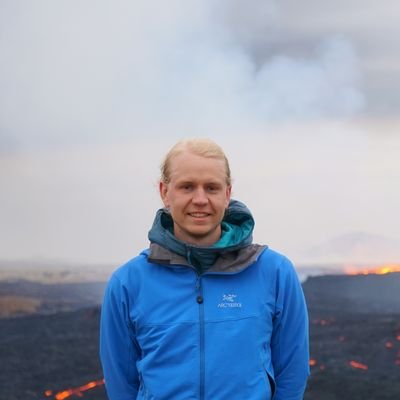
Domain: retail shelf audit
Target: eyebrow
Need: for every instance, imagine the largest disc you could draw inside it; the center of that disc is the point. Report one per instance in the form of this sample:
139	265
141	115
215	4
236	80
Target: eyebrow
193	181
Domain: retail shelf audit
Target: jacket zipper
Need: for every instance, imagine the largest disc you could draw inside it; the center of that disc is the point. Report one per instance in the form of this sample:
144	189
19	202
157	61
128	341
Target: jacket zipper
200	301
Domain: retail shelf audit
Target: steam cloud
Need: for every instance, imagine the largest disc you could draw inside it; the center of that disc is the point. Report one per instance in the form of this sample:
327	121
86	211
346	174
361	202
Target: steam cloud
92	94
83	72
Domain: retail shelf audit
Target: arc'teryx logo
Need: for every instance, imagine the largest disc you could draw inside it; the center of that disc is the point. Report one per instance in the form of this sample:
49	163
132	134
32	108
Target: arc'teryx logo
228	301
229	297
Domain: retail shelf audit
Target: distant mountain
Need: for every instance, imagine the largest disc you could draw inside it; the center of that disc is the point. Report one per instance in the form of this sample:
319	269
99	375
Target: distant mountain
355	248
53	271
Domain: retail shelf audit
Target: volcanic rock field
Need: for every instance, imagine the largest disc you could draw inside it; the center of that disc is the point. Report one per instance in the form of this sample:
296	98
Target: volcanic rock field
49	339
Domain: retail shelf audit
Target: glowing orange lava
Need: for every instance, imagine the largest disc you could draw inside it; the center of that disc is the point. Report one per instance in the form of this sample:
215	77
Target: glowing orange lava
358	365
378	270
75	391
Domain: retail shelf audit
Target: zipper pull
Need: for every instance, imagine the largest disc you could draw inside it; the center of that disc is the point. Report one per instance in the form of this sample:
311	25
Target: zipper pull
199	297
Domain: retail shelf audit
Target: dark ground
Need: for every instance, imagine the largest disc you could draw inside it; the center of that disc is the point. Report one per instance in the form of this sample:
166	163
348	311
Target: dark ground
53	352
354	318
48	298
351	319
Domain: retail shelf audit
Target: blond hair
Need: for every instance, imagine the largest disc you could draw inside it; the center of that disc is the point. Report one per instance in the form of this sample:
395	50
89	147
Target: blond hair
199	146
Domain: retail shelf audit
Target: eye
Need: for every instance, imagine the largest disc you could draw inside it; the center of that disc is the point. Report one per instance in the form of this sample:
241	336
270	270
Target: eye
212	188
186	187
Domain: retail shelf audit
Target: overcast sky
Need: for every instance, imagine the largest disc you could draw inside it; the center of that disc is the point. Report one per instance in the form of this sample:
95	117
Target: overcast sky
303	96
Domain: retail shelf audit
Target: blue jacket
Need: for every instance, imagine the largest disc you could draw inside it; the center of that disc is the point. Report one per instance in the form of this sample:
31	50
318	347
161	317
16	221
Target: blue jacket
168	333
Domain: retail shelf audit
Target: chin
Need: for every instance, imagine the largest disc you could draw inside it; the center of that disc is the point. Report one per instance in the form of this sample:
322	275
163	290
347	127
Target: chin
203	236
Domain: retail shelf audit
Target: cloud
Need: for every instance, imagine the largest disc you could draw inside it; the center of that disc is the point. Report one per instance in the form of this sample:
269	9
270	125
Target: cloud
88	72
92	94
319	87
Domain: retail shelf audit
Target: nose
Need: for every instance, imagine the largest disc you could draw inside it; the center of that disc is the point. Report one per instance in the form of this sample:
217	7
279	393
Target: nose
200	197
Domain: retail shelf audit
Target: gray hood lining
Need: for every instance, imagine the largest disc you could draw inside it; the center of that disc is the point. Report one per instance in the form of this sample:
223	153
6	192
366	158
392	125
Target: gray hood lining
227	262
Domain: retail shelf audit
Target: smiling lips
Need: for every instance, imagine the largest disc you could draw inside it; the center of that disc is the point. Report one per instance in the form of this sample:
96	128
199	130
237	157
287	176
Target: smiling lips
199	214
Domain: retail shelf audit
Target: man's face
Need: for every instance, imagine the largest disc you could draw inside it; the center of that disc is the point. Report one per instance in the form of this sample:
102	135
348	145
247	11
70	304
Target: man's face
197	196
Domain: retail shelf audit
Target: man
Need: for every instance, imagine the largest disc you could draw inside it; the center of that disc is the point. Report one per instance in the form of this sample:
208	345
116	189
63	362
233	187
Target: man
203	313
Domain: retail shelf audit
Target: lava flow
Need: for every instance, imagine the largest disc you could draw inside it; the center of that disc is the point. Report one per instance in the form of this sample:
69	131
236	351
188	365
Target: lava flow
378	270
74	391
358	365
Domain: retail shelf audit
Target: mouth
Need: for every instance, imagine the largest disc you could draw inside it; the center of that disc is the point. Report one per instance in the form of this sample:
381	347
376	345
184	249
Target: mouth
199	214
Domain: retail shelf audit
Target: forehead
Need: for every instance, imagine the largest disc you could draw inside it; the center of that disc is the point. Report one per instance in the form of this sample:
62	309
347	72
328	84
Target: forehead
190	166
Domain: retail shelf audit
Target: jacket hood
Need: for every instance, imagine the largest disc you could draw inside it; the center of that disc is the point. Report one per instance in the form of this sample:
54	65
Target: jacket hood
237	229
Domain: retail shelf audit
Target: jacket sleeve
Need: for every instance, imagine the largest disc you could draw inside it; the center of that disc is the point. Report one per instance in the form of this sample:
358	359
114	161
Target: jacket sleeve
118	348
290	342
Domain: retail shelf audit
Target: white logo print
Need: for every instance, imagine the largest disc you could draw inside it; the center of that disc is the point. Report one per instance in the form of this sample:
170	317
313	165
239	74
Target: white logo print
228	301
229	297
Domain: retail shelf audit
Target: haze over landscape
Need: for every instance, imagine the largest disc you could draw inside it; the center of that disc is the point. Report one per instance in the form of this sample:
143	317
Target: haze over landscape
304	98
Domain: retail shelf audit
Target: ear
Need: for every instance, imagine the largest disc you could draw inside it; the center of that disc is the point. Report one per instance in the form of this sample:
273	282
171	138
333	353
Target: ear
228	195
163	188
